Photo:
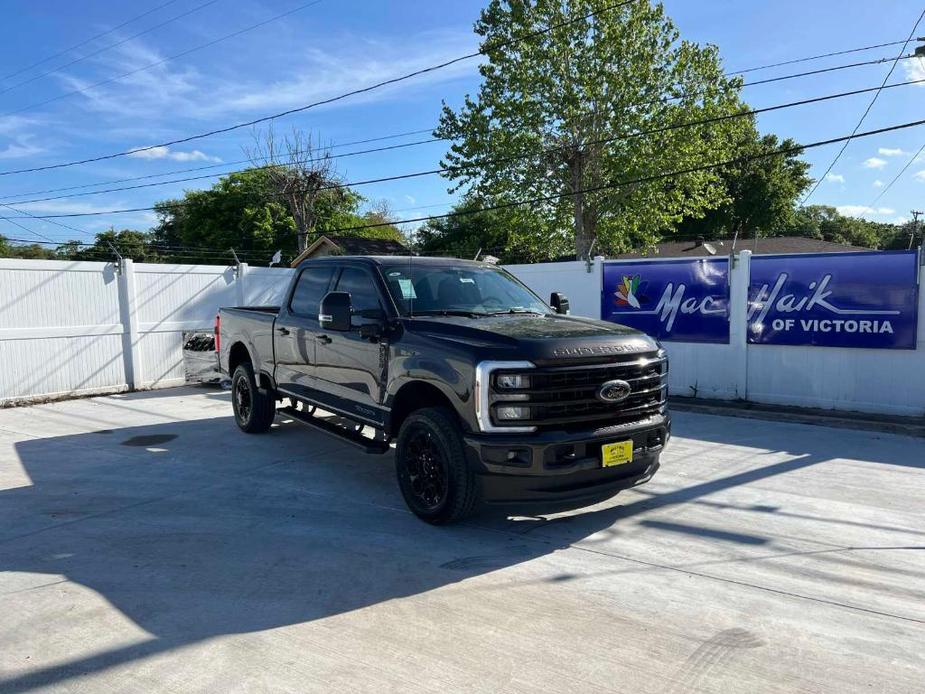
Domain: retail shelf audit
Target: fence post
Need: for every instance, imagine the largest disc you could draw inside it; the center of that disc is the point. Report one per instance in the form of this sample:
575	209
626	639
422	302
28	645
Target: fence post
240	293
128	314
739	280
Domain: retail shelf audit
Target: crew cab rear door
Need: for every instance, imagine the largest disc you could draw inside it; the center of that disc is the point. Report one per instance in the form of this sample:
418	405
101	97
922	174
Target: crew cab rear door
296	330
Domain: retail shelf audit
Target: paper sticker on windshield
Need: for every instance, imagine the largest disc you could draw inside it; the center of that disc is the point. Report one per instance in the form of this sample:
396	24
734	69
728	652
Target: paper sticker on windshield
407	289
467	279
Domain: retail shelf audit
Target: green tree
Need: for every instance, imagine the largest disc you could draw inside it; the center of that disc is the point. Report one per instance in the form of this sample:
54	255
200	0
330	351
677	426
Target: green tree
826	223
496	232
243	211
760	193
128	242
544	120
31	251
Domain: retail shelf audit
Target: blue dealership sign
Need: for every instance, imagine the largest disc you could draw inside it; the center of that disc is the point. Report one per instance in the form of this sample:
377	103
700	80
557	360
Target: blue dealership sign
685	300
834	300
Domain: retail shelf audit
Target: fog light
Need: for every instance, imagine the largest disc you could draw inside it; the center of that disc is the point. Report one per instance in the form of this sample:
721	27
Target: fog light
513	381
508	413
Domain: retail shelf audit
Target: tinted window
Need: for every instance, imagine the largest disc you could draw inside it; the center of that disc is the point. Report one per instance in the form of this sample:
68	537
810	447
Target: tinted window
310	289
363	293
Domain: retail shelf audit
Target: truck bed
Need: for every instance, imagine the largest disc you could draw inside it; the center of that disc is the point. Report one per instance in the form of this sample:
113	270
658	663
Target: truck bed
253	326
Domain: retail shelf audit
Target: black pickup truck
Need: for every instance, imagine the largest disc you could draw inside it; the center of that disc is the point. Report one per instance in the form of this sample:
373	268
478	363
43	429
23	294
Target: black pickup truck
488	393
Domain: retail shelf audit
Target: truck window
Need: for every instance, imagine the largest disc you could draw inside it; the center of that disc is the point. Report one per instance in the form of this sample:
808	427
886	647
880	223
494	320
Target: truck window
363	293
309	290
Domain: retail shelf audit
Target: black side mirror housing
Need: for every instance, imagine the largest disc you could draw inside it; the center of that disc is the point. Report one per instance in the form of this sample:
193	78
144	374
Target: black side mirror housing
559	303
335	311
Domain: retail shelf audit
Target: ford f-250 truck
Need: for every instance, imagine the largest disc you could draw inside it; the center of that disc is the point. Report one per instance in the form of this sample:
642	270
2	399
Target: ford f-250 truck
489	394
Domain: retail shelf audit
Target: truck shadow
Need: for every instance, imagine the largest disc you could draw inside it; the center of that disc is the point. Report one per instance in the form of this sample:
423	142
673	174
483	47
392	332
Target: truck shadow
192	530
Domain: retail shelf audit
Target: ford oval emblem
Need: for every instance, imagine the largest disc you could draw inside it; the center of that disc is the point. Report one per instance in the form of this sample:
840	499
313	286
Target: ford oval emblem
614	391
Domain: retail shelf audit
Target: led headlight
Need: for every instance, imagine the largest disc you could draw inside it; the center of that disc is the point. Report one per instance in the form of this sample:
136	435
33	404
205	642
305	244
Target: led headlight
513	381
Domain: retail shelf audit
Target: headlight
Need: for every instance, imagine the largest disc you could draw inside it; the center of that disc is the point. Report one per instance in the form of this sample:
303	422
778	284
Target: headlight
509	413
495	399
513	381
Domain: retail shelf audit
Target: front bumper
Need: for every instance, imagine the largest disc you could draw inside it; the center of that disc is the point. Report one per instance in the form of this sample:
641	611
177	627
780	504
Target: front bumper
563	469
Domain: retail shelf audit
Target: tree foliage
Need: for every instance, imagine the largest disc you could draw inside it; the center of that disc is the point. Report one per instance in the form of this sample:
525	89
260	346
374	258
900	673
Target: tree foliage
514	234
243	212
544	120
826	223
760	193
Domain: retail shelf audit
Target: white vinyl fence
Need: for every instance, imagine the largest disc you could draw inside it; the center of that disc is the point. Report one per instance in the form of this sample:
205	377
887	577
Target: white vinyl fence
72	328
884	381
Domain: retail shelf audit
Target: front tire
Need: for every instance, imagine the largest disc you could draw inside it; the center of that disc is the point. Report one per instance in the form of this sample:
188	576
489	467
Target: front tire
430	463
253	411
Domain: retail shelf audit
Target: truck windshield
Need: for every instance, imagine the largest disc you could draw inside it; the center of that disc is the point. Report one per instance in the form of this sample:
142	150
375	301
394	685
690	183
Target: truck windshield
426	289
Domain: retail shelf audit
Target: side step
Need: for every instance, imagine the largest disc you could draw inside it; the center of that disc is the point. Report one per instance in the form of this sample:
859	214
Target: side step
368	445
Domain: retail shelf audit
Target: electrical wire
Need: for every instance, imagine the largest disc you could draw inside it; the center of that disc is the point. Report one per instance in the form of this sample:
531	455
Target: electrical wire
866	111
109	47
898	176
645	179
89	40
820	56
181	54
244	161
442	170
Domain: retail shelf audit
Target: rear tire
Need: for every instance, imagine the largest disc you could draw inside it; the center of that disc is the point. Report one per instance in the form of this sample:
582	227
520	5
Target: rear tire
430	462
253	411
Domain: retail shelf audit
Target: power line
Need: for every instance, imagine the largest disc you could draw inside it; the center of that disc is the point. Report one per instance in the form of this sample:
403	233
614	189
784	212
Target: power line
106	48
820	56
28	230
645	179
429	172
243	161
329	100
225	173
181	54
89	40
898	176
866	111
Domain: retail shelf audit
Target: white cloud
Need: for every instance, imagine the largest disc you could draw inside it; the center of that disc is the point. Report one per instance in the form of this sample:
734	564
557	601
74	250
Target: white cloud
862	210
915	70
325	69
167	153
878	183
20	148
891	151
834	178
874	163
411	199
920	176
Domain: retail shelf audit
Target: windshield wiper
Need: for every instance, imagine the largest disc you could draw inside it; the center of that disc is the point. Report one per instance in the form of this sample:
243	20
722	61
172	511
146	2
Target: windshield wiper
517	310
450	312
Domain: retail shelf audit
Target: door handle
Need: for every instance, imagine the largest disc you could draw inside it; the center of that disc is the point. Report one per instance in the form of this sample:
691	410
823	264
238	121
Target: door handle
323	339
283	331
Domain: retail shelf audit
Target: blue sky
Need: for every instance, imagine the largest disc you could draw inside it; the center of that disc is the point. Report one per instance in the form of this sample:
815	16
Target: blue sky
333	47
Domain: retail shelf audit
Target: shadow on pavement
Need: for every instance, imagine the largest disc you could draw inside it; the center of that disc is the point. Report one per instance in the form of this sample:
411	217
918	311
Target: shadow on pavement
193	530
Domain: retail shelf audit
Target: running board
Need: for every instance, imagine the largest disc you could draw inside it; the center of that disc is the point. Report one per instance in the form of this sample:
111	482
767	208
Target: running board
367	444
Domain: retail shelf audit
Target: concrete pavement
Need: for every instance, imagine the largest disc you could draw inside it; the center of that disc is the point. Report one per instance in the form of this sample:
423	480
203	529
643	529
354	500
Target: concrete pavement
146	545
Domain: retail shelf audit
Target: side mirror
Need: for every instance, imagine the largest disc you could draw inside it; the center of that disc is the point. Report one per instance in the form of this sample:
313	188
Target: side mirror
559	303
335	311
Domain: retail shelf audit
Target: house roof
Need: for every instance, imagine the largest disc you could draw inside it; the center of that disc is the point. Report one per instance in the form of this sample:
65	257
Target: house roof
354	245
765	246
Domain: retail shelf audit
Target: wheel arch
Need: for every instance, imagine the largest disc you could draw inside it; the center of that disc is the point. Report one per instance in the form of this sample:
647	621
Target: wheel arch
415	395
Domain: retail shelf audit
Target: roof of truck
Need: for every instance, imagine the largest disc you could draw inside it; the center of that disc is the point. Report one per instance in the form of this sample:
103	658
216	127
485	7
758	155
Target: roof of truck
395	260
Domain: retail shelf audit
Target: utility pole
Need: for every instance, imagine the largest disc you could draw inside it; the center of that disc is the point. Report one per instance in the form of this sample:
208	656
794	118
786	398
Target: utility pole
915	226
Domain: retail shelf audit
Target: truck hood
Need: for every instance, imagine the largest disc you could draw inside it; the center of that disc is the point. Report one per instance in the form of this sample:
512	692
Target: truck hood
536	338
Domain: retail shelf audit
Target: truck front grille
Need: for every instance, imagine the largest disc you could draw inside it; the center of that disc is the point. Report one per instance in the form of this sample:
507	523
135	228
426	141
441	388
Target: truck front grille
568	395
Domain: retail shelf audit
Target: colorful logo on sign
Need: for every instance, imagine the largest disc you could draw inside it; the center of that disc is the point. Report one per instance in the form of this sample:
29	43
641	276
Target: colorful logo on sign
628	293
